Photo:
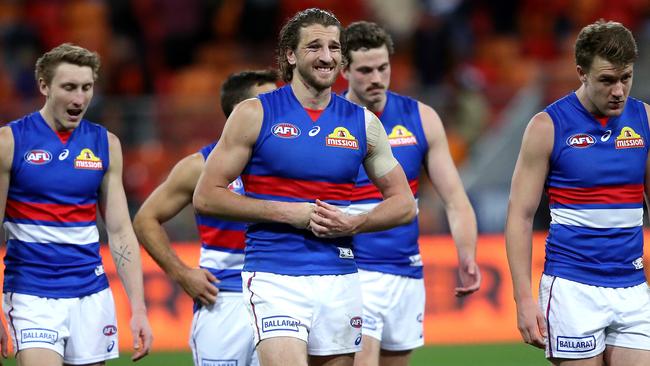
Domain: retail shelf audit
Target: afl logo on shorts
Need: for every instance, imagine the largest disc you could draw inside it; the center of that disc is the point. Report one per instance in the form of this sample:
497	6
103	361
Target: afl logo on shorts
38	157
356	322
285	130
110	330
580	140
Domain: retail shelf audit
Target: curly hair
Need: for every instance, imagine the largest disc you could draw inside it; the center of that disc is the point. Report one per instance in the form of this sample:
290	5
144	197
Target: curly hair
290	35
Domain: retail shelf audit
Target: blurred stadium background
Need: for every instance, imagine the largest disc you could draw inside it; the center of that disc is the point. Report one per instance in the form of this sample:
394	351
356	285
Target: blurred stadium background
486	66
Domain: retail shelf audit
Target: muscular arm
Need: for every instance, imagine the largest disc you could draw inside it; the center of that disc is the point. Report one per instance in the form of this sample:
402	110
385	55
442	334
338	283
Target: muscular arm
124	246
525	193
164	203
398	206
460	214
6	159
227	161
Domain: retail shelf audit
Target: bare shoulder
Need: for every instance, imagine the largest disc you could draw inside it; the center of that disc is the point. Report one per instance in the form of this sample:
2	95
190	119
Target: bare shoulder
188	169
539	134
245	121
6	147
431	125
541	123
113	141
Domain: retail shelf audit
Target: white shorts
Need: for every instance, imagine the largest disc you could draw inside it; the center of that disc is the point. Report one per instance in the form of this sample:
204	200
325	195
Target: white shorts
82	329
393	309
324	311
582	320
221	334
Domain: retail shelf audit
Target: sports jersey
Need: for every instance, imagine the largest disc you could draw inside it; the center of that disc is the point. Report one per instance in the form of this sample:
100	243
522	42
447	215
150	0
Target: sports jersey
222	242
51	210
595	187
396	250
296	159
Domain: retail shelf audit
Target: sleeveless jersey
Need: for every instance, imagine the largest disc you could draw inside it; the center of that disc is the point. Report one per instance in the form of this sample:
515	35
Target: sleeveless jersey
51	211
222	242
595	187
298	160
393	251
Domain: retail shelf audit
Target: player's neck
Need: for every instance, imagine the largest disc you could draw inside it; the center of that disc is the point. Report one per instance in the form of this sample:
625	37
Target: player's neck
310	97
375	108
55	125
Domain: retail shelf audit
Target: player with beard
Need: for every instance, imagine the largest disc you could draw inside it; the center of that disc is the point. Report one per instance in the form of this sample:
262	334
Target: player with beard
220	329
298	150
389	261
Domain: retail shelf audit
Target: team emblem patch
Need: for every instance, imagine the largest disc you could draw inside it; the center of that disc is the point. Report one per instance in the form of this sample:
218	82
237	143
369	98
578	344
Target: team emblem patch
109	330
341	137
580	140
87	160
285	130
401	136
628	139
38	157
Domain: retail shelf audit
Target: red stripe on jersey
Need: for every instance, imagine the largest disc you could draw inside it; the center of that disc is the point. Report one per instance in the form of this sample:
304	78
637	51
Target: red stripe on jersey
51	212
370	191
304	189
231	239
631	193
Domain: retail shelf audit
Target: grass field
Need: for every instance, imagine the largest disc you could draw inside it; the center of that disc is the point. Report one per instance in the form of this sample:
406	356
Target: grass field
470	355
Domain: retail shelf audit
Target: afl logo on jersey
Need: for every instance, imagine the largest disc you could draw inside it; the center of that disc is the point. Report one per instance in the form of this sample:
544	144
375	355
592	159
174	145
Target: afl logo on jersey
580	140
110	330
38	157
285	130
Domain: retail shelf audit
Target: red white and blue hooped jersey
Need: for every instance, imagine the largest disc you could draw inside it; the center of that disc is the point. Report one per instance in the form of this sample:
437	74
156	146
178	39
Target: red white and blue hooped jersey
396	250
296	159
51	210
595	187
222	242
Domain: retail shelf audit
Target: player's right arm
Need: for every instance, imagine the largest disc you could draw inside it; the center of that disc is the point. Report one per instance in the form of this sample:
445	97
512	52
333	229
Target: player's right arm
165	202
526	190
227	161
6	159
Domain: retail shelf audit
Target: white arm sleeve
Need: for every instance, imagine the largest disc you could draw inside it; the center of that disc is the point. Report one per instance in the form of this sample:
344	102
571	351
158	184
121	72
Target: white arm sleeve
379	159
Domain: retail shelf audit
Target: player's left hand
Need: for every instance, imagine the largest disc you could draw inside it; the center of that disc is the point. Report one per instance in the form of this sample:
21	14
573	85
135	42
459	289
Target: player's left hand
470	277
142	335
328	221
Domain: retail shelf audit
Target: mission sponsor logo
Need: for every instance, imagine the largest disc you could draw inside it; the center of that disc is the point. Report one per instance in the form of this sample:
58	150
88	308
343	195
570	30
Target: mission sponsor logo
341	137
39	335
580	140
285	130
87	160
629	139
401	136
576	344
38	157
280	322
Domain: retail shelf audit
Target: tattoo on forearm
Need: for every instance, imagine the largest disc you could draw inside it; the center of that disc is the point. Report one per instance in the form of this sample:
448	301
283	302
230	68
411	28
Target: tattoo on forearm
122	255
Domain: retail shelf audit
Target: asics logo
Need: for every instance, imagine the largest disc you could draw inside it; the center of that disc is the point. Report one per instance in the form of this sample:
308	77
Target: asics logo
64	154
606	135
314	131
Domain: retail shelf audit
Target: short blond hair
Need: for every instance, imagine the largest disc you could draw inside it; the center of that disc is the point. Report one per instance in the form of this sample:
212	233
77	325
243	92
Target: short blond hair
69	53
